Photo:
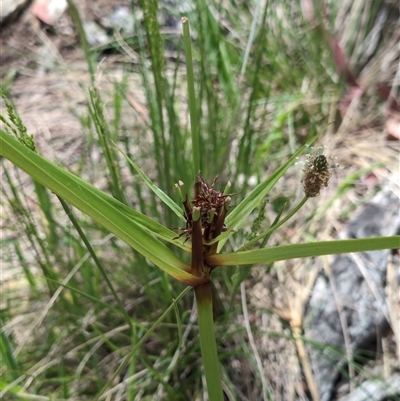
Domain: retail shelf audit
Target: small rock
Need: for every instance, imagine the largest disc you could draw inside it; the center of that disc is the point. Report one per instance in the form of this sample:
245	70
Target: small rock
95	34
377	390
48	11
10	10
119	19
360	289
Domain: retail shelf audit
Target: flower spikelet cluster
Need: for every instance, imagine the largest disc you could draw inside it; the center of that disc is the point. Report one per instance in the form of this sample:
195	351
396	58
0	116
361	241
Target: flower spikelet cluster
212	207
316	175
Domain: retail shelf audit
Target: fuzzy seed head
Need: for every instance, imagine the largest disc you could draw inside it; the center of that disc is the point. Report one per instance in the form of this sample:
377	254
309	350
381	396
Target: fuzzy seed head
316	175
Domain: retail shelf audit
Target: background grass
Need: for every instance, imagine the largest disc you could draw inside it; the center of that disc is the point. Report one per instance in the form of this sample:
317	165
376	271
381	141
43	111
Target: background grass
265	83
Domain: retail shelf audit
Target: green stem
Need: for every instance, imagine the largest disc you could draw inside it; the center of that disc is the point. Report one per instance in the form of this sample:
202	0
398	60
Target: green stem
73	11
96	110
208	343
194	126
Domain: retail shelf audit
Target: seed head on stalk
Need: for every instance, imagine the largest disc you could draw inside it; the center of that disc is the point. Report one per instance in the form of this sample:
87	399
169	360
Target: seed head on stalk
317	172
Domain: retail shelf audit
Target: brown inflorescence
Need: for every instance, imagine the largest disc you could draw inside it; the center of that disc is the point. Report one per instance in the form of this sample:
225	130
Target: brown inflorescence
205	217
212	207
316	175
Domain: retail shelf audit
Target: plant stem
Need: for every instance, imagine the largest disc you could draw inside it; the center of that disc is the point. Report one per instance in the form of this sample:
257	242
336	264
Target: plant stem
73	11
208	343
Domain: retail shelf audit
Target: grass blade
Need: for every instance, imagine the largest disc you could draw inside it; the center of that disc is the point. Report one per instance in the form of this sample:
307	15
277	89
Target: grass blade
294	251
194	124
106	210
161	194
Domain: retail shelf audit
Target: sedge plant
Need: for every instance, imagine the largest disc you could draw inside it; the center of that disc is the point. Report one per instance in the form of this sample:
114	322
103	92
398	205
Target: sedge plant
191	253
207	227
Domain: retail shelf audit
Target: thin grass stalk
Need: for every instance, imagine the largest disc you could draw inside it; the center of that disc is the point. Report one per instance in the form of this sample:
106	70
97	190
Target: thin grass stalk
215	65
142	204
253	346
82	36
96	260
47	207
92	298
217	44
208	343
246	144
161	151
30	230
180	164
194	123
238	106
251	37
117	102
343	323
25	267
143	207
205	90
91	277
150	9
174	358
132	368
64	384
301	350
103	132
152	105
7	353
143	339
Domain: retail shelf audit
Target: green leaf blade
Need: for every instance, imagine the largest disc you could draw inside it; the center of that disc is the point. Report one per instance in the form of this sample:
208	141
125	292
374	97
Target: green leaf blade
295	251
132	227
